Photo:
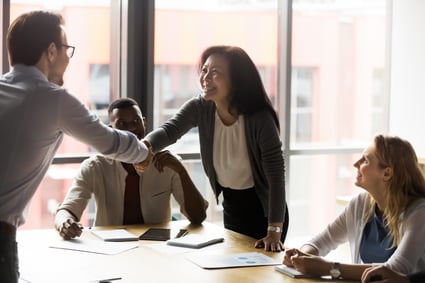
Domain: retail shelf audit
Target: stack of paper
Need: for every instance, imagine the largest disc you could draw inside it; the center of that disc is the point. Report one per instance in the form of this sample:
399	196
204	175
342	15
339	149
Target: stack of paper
115	235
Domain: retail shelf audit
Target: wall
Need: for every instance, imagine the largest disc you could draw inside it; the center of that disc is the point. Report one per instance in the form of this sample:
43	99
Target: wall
407	110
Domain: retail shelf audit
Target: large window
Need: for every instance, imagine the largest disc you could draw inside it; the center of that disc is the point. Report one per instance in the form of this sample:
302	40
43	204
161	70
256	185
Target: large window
338	103
338	78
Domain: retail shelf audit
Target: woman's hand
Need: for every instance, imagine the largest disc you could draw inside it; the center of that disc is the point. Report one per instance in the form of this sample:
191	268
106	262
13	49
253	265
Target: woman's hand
382	274
271	242
289	253
307	263
166	159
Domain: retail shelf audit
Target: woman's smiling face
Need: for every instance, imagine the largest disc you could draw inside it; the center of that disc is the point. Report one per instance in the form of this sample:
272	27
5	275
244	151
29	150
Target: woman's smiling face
370	174
215	79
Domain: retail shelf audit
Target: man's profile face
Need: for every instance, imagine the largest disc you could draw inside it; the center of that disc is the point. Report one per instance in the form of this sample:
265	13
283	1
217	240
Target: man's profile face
128	119
58	66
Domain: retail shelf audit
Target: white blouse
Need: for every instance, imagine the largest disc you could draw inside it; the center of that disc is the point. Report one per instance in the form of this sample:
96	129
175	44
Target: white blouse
230	155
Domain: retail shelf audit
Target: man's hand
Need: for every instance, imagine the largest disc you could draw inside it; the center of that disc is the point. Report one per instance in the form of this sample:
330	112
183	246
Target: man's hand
70	229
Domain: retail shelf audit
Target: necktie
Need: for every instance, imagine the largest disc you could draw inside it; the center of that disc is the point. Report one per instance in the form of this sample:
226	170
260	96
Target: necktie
132	207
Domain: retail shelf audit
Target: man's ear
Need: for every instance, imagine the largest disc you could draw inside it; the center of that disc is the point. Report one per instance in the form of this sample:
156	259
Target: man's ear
388	173
52	52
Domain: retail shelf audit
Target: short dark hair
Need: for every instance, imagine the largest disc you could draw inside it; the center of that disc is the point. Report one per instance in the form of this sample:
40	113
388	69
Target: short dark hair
120	103
30	35
248	94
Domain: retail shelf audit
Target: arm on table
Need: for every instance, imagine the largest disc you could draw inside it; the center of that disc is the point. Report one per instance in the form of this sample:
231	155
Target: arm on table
306	261
194	203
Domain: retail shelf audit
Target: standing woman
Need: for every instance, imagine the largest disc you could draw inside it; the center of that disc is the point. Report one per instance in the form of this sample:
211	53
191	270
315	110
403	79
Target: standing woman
240	146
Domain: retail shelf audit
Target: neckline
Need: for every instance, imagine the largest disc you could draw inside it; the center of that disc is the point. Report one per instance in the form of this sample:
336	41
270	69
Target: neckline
225	124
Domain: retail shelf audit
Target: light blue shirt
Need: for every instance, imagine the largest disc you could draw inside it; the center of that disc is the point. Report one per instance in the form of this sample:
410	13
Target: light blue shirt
34	115
375	246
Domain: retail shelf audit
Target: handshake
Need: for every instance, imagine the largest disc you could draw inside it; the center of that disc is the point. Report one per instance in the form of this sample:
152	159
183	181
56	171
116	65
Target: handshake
141	166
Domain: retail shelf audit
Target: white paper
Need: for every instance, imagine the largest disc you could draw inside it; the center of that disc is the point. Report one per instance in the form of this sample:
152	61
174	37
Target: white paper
94	246
232	260
115	235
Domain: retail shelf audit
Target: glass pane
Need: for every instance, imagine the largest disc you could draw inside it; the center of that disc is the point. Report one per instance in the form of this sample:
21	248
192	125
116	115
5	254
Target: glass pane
184	28
339	71
319	186
52	190
196	172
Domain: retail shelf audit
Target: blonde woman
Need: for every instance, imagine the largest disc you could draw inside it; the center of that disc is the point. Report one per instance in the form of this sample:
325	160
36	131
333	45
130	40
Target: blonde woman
383	225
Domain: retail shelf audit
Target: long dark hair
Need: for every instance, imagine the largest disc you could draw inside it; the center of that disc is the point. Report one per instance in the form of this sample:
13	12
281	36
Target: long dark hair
248	95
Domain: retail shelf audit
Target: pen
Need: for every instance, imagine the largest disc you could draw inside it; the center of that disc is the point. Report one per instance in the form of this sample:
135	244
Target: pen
182	233
109	280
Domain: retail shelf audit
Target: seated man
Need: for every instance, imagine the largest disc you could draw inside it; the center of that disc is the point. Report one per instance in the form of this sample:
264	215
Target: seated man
111	182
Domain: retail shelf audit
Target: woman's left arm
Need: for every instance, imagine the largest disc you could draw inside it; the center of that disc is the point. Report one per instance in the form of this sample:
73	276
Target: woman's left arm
270	160
319	266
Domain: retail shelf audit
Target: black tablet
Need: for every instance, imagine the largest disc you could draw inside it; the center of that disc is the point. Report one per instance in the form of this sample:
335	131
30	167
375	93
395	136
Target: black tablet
162	234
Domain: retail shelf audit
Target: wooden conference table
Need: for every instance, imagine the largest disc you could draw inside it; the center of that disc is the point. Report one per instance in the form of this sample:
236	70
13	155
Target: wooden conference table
149	261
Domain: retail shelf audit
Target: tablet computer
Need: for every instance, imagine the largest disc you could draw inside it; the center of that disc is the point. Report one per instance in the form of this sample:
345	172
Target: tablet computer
162	234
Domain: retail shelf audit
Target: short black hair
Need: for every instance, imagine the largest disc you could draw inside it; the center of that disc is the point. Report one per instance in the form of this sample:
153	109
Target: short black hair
120	103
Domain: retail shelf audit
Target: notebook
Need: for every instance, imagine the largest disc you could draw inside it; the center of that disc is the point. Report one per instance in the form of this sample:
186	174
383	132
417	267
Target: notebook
291	272
195	241
115	235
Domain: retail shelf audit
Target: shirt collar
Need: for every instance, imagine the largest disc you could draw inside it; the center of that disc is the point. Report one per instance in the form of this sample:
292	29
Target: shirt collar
28	71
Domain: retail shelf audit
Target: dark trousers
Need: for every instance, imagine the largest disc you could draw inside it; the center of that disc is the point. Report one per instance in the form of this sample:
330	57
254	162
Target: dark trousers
9	264
243	213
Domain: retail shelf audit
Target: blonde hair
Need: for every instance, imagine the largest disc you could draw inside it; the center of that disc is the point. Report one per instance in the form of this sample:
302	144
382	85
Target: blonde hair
405	186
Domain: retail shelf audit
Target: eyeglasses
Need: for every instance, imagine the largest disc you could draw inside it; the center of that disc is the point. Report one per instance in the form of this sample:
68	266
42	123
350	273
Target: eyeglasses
69	50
